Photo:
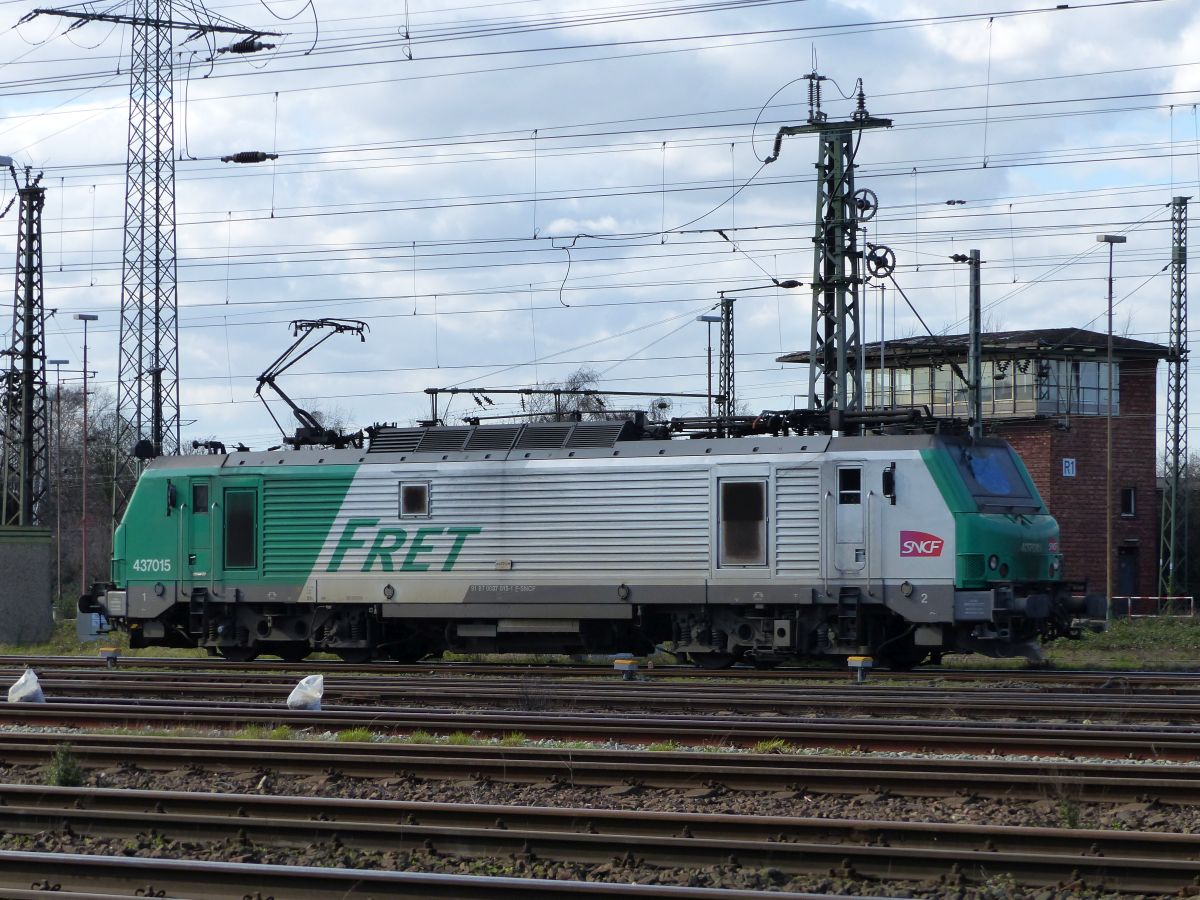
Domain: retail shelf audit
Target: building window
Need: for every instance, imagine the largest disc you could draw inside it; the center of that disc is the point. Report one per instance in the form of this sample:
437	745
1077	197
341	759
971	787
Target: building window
414	499
1129	502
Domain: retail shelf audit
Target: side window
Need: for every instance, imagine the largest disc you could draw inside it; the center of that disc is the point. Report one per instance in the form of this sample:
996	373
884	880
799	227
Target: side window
414	500
849	487
1128	502
199	498
241	530
743	518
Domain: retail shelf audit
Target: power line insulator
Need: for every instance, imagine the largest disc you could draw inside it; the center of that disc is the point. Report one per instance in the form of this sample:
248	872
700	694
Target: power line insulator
249	156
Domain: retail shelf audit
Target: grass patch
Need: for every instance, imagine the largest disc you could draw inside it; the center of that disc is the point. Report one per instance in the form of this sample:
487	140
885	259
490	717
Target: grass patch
64	770
356	736
461	739
773	745
664	746
514	739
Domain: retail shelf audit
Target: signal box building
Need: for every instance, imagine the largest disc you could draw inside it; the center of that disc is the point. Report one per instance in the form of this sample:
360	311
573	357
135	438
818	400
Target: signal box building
1046	392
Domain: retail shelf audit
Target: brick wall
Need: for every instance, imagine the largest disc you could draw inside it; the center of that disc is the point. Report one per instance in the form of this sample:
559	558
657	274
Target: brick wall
1078	503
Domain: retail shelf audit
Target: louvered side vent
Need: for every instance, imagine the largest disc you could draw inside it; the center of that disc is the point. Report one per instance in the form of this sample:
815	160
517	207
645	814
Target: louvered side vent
493	437
596	434
395	440
544	437
439	440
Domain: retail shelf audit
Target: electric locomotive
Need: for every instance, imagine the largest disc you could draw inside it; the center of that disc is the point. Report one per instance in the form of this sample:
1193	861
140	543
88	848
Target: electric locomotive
595	536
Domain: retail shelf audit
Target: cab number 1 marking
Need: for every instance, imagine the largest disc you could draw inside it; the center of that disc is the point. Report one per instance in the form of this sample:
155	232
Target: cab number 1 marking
152	565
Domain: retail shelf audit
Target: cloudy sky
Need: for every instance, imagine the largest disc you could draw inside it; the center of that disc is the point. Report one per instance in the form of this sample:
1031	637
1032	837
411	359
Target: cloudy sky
506	192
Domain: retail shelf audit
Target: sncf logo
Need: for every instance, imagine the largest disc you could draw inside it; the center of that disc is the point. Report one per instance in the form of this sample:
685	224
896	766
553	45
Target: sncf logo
918	543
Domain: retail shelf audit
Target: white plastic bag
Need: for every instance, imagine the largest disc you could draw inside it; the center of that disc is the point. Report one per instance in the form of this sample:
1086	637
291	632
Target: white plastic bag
307	694
26	689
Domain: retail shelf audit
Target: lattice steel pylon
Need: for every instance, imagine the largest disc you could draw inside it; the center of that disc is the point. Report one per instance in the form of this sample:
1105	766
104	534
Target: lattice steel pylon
835	357
1172	569
24	444
148	355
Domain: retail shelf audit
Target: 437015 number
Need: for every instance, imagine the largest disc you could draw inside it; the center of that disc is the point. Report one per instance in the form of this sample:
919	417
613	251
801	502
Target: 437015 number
152	565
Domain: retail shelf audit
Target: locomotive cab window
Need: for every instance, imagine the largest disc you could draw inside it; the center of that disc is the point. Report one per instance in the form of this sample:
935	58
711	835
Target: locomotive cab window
200	498
743	519
414	499
241	529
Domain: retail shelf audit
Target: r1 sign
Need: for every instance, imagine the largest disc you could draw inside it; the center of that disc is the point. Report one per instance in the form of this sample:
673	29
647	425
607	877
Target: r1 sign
1068	467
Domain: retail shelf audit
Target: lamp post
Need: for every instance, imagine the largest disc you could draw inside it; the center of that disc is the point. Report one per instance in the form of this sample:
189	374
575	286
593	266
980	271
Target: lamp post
709	318
83	517
58	364
1109	239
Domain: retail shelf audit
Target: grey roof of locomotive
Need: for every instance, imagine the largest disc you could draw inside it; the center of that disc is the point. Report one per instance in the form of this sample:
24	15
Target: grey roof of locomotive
542	441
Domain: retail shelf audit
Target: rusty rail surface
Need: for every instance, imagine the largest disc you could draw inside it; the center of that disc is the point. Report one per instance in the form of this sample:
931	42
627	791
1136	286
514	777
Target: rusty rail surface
816	774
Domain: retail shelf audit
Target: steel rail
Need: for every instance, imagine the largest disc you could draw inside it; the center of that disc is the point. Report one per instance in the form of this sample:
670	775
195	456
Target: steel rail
959	703
1130	861
832	774
600	670
197	880
1157	742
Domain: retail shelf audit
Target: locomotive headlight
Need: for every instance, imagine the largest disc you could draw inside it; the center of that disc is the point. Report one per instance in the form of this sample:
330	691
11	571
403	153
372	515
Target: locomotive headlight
993	561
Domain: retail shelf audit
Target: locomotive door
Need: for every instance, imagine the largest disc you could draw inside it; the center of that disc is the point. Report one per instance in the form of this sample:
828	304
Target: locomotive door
198	543
849	519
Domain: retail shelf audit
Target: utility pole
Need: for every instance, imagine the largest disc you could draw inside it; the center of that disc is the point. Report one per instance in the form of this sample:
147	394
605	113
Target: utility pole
975	354
835	352
725	372
1110	239
58	364
1172	569
83	514
708	319
148	354
25	448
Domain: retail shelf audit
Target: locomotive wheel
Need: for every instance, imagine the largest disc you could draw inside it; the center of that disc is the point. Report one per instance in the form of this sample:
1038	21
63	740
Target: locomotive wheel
238	654
712	661
293	652
355	655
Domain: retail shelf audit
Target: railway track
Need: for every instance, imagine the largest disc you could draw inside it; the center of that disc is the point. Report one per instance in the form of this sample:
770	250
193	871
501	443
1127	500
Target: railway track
70	876
1166	742
1117	704
1104	859
1136	679
833	774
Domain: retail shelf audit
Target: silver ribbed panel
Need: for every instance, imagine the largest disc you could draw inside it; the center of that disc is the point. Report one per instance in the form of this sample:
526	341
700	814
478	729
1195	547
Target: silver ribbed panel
439	439
798	521
396	440
493	437
596	434
544	437
572	523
